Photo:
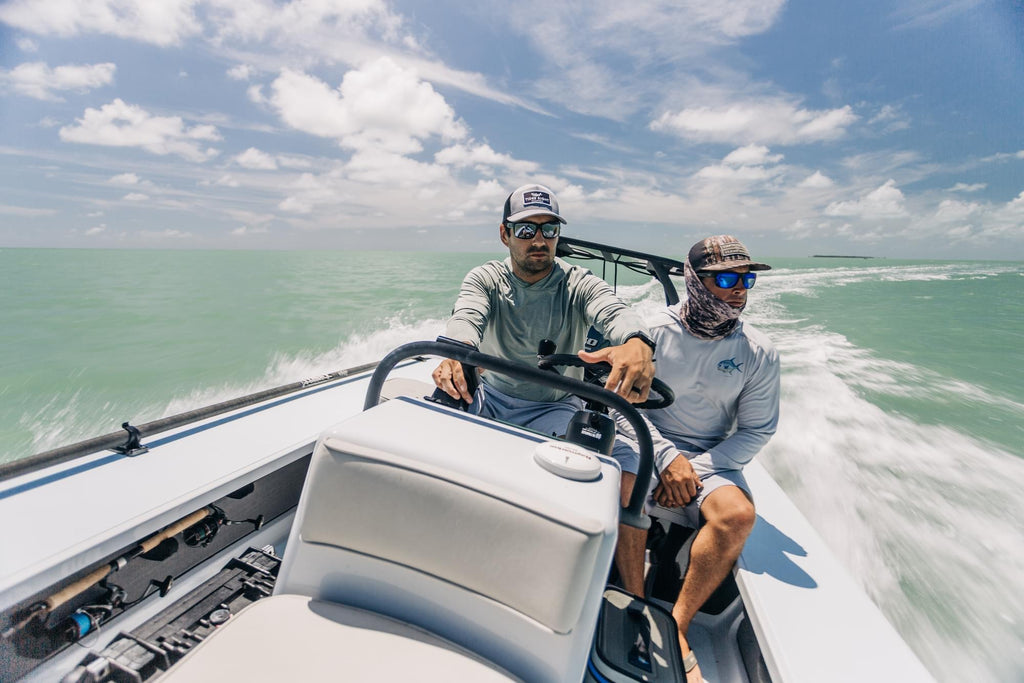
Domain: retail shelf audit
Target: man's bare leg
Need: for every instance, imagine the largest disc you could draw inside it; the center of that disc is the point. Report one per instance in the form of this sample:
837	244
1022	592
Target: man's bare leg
629	553
728	518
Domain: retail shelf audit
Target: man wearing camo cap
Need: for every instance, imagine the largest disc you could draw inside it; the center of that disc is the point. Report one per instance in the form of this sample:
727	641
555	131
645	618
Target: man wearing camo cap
725	375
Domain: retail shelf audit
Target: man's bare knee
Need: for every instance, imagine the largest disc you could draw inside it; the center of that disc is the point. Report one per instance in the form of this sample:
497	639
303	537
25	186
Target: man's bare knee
730	511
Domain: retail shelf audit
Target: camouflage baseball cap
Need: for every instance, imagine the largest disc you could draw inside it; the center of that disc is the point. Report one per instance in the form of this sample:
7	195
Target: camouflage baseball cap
722	252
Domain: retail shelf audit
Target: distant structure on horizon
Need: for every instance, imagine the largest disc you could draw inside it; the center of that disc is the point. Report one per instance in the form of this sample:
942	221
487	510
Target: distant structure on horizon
839	256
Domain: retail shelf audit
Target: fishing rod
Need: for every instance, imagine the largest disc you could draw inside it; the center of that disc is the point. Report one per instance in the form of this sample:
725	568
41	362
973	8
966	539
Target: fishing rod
130	445
43	609
197	529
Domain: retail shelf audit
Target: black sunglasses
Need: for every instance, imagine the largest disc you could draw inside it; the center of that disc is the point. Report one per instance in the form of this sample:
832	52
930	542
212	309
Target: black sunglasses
728	280
526	230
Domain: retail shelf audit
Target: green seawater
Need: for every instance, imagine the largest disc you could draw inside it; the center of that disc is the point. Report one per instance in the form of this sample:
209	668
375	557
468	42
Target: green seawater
901	435
957	328
92	338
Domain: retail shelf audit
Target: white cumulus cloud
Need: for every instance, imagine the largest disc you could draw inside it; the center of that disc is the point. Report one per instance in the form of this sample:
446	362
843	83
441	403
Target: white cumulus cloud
247	230
38	80
952	210
816	181
749	163
1016	205
381	106
751	155
124	179
960	233
768	122
727	172
886	201
241	72
162	22
483	158
119	124
256	160
382	168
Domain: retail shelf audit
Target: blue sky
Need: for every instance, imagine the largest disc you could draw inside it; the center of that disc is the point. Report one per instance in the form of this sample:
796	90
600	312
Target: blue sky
810	126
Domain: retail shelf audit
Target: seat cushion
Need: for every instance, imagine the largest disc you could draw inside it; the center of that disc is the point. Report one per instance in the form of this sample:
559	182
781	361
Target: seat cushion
295	638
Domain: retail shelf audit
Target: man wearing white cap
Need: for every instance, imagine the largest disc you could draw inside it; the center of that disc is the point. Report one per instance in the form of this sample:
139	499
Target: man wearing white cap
505	308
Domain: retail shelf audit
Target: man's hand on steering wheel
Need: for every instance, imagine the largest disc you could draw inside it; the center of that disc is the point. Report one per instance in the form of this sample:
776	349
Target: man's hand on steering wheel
449	377
632	368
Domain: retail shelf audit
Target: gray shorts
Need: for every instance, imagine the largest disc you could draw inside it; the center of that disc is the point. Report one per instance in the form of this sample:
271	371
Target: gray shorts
546	417
712	479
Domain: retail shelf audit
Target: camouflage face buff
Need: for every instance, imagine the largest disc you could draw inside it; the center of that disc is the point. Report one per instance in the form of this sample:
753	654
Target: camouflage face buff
706	316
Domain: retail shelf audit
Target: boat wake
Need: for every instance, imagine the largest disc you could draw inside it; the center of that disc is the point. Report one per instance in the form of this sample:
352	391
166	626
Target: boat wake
918	513
358	349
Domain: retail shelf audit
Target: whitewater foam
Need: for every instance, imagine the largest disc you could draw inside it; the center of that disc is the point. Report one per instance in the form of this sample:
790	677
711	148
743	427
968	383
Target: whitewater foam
907	507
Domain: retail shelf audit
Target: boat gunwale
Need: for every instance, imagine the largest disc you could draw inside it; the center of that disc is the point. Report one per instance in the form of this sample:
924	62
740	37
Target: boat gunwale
115	440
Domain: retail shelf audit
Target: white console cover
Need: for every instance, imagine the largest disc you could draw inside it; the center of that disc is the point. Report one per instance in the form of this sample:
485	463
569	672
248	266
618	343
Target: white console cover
446	521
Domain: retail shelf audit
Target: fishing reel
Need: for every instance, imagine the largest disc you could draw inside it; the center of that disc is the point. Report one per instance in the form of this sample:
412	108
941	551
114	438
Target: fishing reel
202	533
89	618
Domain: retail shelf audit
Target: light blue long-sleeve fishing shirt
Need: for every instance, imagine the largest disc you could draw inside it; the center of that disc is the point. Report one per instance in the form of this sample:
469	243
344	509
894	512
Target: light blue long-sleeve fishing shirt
727	392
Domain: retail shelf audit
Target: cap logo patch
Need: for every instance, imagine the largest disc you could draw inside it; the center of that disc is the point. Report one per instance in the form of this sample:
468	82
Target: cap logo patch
537	198
733	250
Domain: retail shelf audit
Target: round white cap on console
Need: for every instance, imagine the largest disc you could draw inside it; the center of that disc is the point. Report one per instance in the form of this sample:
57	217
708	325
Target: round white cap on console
568	460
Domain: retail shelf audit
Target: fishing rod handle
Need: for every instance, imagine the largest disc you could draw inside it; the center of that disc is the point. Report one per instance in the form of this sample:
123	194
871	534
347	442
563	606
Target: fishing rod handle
175	529
60	597
70	591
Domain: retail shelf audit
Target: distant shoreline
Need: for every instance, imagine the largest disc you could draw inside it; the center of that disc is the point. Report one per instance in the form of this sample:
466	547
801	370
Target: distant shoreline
839	256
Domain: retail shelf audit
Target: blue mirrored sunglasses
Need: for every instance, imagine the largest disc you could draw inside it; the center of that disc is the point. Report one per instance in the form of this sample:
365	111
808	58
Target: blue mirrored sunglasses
526	230
728	280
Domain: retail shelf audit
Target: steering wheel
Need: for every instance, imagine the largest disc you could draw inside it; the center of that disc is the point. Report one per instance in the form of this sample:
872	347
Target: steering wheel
597	373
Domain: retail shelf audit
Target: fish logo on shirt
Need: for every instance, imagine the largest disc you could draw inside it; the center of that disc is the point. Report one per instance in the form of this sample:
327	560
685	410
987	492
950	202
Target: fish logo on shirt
727	366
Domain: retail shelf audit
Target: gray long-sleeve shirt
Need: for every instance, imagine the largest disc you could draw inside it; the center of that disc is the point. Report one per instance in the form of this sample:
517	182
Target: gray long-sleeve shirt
507	317
727	392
